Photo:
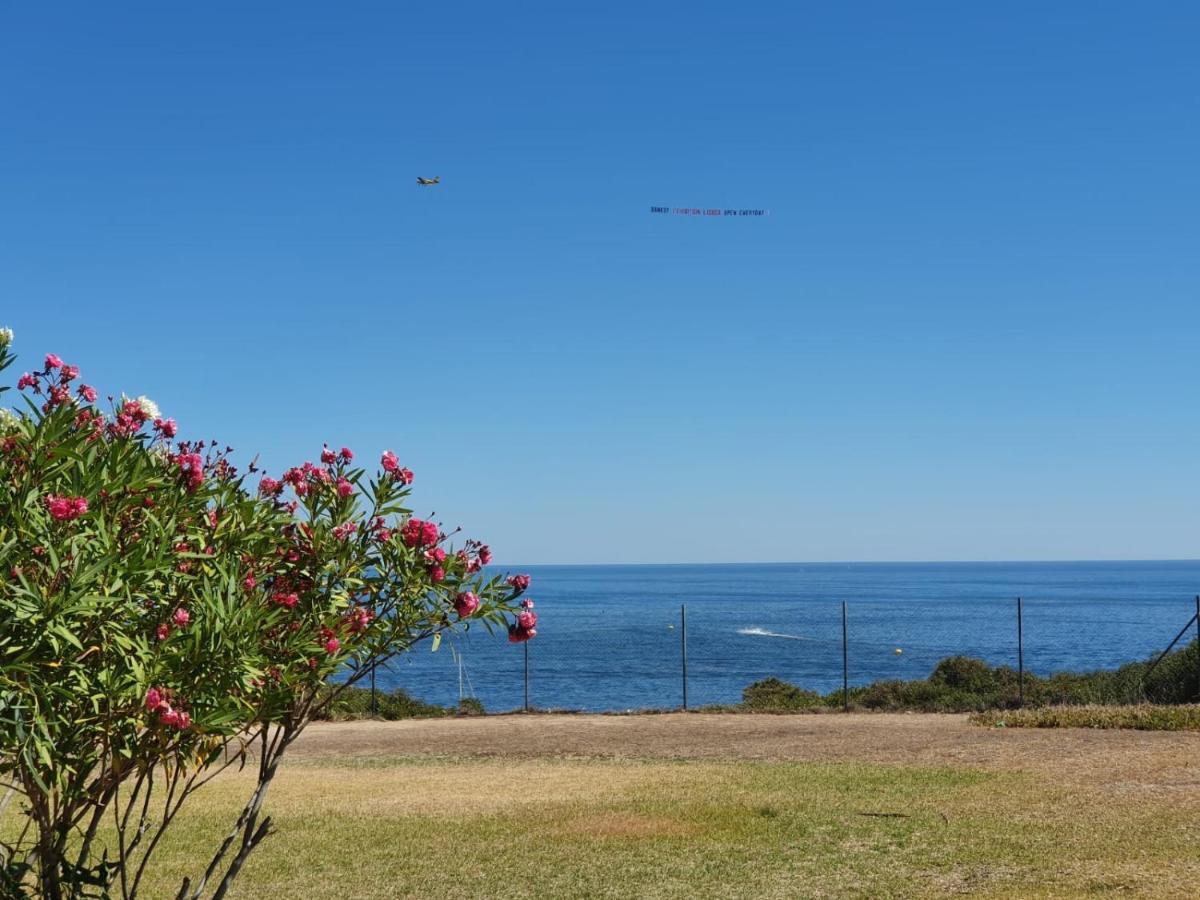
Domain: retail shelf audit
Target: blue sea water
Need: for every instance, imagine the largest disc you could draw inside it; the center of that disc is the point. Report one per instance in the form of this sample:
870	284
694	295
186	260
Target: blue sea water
609	636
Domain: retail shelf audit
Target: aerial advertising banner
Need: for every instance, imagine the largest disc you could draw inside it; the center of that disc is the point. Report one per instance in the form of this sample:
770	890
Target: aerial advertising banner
694	211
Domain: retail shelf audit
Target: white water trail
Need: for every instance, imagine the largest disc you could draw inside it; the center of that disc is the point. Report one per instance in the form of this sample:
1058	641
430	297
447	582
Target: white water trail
762	632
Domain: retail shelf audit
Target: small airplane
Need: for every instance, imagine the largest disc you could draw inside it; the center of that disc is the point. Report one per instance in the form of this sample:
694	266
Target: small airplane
436	179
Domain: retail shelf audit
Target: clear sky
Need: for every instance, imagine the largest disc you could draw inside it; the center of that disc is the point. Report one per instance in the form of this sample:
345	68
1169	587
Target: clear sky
969	328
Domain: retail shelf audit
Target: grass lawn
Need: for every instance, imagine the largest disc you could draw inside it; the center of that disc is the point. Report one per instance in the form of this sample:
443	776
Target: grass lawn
428	827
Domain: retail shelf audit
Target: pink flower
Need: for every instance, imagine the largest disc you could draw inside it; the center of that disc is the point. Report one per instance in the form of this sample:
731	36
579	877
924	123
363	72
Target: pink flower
332	645
269	487
527	620
391	465
437	555
88	393
357	619
59	394
181	617
418	533
342	532
288	600
526	604
191	466
465	604
162	632
518	635
346	453
485	554
52	361
436	574
344	488
328	456
70	373
248	582
64	509
519	583
166	427
154	699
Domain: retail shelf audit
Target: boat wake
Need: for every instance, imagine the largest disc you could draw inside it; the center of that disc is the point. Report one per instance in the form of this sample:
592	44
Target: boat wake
762	632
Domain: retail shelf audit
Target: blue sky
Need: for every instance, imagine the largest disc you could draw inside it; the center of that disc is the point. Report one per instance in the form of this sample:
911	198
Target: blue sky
968	329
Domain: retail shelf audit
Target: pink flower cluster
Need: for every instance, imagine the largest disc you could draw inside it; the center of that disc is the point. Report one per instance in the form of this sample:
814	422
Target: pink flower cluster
419	533
465	604
179	618
525	628
285	599
269	487
474	556
64	509
519	583
327	638
57	376
391	465
129	419
329	457
356	620
434	559
342	532
191	467
158	700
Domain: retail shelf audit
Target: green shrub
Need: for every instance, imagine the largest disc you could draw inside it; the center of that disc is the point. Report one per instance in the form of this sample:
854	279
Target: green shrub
470	706
772	694
355	703
966	684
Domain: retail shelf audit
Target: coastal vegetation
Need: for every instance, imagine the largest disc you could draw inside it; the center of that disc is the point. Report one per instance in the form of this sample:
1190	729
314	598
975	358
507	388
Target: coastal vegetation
965	684
957	684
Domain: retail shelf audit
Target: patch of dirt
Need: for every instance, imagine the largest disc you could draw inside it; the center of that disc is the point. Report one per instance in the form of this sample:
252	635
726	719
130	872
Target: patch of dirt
1121	759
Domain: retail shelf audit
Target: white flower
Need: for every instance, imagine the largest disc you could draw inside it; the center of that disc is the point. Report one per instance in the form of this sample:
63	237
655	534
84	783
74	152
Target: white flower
6	337
8	420
149	407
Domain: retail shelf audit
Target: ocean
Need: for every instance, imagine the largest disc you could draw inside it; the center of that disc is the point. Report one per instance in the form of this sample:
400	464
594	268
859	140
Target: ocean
609	637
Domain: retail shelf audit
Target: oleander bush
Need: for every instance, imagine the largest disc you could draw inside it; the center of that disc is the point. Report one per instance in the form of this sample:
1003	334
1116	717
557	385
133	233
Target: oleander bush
163	618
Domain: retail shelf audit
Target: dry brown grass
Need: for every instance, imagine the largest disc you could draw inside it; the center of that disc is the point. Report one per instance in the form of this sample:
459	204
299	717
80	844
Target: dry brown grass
716	807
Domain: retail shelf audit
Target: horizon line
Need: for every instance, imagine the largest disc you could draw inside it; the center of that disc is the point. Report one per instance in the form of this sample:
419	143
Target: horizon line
871	562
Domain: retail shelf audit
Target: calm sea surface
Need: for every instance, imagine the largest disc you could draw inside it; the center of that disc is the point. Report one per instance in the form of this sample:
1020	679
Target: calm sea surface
609	636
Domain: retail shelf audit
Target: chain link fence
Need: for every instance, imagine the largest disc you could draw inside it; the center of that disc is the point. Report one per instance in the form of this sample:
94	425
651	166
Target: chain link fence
889	653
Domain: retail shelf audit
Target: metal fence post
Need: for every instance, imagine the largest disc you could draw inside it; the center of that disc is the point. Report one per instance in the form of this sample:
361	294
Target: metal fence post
845	662
374	704
526	646
683	648
1198	647
1020	655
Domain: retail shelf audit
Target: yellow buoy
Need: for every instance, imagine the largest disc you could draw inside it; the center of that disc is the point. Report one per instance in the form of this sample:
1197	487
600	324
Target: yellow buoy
898	651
